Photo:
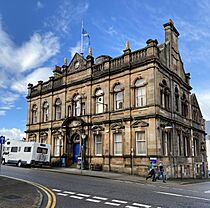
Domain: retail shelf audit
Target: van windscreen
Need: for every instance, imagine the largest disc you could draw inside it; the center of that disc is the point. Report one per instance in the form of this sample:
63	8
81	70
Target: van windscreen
42	150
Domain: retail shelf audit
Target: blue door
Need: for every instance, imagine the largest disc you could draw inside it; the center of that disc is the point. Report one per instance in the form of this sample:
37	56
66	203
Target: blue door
76	151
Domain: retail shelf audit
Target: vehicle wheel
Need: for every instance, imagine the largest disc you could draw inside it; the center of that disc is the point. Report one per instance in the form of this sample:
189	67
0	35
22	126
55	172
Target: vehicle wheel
3	162
19	164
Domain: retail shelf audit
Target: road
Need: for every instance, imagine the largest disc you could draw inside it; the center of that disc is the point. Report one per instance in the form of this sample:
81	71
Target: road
75	191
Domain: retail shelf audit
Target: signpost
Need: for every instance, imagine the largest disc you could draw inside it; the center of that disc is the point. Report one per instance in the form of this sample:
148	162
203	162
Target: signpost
2	141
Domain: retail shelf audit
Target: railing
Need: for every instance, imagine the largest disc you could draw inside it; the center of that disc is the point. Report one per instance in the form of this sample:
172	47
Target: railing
98	68
117	62
46	86
57	83
137	56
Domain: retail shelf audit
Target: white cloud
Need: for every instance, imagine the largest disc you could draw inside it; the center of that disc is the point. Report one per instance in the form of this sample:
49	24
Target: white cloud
65	15
2	113
42	73
12	133
31	54
75	49
39	5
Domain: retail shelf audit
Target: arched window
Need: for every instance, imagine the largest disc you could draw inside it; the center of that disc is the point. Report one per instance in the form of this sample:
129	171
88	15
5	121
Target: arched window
184	104
77	105
45	112
140	93
58	109
34	114
118	97
176	99
164	95
99	99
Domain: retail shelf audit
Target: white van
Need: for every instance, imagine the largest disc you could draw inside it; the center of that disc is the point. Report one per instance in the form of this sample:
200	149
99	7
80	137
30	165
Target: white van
25	153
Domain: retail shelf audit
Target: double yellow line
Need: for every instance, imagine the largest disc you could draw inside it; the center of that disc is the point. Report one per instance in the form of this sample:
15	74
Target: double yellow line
50	195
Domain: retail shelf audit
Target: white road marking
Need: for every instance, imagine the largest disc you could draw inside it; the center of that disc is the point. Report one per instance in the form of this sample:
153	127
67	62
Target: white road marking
93	200
56	190
131	207
118	201
112	204
76	197
207	192
101	198
85	195
171	194
69	192
141	205
184	196
60	194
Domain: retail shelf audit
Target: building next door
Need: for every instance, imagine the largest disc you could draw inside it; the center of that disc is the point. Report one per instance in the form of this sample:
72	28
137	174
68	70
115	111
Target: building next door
76	152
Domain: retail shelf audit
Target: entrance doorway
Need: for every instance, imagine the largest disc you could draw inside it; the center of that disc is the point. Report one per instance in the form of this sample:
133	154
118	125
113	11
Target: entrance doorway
76	152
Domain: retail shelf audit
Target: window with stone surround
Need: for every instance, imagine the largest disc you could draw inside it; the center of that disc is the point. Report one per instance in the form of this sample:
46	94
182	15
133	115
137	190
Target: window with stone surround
140	93
118	97
45	112
77	105
98	144
140	143
184	105
117	143
34	114
99	101
176	99
164	95
58	109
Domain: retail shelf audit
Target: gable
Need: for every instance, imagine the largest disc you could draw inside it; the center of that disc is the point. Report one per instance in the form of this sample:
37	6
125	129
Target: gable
194	103
77	63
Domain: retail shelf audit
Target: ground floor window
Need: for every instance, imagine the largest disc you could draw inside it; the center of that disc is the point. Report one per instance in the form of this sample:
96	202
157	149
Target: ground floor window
140	143
117	144
98	144
57	147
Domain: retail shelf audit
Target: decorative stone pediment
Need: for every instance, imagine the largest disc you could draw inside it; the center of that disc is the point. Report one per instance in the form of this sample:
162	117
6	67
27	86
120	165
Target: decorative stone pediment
137	124
77	63
97	128
117	126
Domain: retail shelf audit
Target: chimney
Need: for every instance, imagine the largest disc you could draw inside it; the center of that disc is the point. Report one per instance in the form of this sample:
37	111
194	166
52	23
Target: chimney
171	34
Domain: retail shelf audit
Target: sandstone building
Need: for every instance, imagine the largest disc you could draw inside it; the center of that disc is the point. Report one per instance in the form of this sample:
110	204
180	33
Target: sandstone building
120	113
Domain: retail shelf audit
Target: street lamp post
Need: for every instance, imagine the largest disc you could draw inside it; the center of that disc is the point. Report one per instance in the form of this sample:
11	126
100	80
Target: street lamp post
83	136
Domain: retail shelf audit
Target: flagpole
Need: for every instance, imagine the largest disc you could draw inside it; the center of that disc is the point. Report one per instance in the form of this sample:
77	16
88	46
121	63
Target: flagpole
81	46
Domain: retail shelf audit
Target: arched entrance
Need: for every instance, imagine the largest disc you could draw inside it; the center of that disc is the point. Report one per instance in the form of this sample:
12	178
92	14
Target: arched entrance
76	148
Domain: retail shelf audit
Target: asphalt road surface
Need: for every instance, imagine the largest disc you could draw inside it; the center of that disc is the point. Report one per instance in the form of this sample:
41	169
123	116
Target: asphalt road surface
76	191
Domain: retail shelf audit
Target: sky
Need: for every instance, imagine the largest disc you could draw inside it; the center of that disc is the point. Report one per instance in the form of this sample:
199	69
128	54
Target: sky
37	35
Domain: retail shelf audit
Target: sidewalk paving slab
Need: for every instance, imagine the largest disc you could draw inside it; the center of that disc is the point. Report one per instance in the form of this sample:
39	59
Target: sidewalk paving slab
124	176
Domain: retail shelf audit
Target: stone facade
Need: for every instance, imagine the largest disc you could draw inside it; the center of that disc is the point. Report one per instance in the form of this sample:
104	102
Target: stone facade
120	113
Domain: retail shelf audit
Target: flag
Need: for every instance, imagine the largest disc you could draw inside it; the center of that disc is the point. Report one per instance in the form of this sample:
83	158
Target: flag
84	33
85	40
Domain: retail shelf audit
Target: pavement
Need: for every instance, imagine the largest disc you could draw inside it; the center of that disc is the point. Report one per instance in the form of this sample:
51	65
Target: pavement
15	193
12	191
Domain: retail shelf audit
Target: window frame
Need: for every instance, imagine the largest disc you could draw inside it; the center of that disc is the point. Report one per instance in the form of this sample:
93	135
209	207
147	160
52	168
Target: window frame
98	145
139	140
116	143
118	96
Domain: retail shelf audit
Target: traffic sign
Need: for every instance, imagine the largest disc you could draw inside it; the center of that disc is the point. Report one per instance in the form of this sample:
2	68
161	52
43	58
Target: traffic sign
2	139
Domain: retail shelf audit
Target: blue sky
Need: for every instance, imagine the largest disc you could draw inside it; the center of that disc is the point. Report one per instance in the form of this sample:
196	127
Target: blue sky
36	35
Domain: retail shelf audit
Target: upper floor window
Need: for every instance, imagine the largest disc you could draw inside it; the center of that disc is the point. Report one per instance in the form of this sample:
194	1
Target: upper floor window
164	95
99	99
184	104
34	114
77	105
140	93
58	109
45	112
176	99
118	97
